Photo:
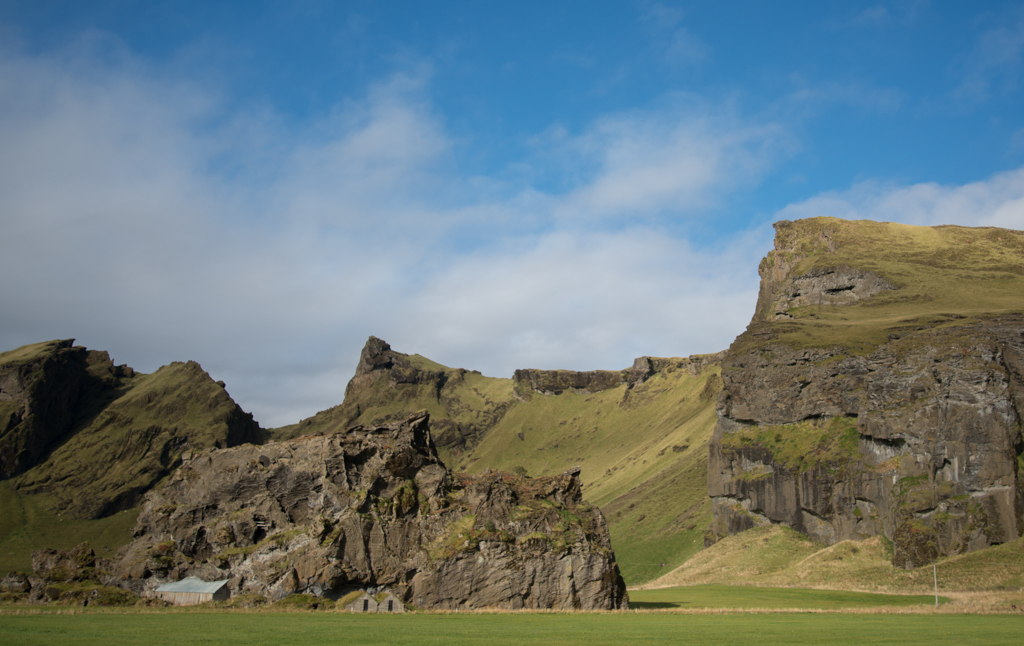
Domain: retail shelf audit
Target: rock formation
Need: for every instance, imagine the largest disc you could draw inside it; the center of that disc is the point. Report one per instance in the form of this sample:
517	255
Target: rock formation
374	506
914	434
42	387
390	385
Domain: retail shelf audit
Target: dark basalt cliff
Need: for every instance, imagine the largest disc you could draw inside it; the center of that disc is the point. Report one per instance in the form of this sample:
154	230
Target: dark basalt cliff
914	434
374	506
42	388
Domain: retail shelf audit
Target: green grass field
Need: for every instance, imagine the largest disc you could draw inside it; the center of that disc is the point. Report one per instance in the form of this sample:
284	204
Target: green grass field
254	629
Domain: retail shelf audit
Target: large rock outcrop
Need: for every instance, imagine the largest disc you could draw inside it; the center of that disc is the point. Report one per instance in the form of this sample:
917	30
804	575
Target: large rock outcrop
913	432
374	506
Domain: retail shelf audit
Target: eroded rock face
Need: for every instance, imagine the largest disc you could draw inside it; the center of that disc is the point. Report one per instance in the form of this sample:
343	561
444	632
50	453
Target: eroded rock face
555	382
918	440
374	506
833	286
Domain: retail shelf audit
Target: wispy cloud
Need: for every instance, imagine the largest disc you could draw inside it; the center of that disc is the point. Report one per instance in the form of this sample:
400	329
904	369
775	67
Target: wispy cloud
997	201
678	159
675	44
810	97
996	63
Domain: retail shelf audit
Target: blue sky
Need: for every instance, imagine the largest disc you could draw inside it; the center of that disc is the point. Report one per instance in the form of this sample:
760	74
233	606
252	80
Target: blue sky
260	186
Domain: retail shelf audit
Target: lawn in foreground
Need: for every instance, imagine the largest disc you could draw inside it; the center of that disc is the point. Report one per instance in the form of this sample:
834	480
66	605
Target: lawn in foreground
254	629
736	596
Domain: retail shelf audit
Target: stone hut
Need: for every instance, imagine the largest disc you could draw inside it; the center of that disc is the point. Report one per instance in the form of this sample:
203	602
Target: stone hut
387	602
362	603
192	590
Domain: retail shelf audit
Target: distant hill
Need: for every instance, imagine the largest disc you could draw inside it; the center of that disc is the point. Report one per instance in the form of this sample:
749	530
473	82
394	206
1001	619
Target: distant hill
877	396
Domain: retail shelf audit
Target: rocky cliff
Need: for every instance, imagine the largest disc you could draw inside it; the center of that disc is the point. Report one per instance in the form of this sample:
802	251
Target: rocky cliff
43	389
374	506
878	390
390	385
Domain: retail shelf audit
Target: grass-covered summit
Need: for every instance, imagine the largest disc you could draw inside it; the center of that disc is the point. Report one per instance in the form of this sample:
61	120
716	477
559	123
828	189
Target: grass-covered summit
930	277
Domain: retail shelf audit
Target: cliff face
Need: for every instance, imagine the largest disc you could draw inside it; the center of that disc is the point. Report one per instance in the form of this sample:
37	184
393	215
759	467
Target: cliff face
42	387
374	506
875	411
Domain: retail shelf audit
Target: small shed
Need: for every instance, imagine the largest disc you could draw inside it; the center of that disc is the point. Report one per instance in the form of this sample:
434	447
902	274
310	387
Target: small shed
362	603
193	590
387	602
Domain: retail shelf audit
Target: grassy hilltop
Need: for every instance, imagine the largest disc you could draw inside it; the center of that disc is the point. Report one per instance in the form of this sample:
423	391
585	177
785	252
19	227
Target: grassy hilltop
943	276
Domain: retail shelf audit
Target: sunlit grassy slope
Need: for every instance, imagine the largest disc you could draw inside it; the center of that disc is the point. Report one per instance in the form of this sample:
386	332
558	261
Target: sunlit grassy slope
133	441
777	556
643	460
945	275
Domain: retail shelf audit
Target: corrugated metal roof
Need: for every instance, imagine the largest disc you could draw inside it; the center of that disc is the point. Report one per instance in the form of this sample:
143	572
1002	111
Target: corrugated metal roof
193	584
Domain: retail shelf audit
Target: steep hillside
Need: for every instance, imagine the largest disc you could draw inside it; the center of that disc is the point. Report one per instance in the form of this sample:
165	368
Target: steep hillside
137	439
85	439
639	436
878	390
641	446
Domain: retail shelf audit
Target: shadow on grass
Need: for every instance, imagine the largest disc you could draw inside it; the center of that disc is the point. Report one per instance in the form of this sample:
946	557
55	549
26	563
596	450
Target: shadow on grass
656	605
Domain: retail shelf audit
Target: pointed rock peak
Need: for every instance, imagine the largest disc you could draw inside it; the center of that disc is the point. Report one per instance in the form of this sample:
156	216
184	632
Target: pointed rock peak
375	355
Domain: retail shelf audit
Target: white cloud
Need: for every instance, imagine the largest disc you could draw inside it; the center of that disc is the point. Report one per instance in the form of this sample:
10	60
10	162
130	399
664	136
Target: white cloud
678	159
142	217
997	201
587	301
